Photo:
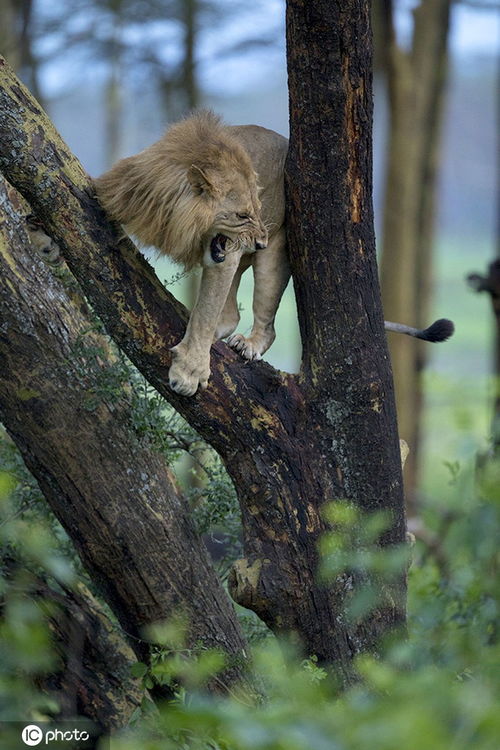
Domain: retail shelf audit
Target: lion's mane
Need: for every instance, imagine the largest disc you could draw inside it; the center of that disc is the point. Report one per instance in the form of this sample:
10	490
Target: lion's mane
155	195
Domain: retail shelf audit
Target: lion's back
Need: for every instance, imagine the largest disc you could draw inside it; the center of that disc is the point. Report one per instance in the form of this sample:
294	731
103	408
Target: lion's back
267	150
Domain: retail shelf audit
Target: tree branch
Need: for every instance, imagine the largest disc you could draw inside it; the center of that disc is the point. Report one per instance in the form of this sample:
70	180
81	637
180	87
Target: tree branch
113	494
142	317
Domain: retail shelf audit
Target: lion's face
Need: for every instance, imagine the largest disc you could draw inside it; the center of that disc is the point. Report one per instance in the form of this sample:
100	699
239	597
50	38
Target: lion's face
236	223
193	194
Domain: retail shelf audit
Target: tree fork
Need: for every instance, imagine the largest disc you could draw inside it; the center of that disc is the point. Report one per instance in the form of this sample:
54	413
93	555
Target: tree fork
290	443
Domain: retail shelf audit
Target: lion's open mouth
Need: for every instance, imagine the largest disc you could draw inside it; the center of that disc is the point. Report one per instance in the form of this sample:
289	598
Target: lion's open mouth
218	248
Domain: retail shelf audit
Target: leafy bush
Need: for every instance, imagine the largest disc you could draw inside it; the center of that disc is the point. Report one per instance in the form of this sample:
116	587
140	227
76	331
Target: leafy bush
439	689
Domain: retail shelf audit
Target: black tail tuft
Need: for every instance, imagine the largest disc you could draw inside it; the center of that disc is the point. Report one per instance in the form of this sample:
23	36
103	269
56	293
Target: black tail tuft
440	330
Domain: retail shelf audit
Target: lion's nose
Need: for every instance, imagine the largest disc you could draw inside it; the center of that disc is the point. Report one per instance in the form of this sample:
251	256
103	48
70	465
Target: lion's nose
260	245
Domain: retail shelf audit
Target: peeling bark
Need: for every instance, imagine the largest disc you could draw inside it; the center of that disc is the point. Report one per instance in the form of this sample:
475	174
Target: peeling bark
113	494
290	443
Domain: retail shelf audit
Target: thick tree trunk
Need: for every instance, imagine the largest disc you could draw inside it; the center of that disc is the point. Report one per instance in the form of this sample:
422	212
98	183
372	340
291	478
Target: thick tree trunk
345	371
95	680
113	494
416	84
291	444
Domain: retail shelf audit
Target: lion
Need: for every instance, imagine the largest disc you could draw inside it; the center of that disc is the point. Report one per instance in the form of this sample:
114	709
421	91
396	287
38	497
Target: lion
213	195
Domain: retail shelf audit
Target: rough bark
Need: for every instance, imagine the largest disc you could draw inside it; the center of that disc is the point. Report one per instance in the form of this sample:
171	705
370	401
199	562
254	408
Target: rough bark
96	680
113	494
416	84
290	443
93	678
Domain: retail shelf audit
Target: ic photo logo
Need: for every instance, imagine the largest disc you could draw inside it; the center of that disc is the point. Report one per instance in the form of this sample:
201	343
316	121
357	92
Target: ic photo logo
32	735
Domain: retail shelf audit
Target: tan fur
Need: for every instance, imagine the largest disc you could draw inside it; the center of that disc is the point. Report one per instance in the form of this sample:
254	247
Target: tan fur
198	181
171	194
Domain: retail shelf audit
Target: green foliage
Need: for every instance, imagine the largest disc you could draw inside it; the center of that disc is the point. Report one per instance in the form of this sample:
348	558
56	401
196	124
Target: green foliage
351	552
26	651
439	689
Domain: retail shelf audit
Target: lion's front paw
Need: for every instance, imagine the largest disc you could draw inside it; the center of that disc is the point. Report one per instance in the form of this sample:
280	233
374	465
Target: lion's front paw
188	371
250	348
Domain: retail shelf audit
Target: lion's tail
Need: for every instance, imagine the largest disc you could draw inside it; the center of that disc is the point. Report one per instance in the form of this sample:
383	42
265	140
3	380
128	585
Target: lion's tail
440	330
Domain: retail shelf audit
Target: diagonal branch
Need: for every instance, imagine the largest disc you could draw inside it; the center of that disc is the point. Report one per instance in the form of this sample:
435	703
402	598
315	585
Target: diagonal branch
142	317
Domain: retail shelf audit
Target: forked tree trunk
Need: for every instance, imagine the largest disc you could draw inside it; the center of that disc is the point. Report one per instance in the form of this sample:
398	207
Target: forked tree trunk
290	443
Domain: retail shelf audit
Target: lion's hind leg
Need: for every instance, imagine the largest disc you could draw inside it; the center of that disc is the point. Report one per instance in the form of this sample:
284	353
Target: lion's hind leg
271	275
230	315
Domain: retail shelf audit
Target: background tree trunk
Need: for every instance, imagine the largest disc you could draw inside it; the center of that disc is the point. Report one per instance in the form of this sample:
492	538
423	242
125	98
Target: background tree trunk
16	41
290	444
491	284
9	39
113	91
416	86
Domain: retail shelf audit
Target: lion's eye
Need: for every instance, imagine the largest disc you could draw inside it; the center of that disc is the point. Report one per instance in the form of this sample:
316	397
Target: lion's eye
243	216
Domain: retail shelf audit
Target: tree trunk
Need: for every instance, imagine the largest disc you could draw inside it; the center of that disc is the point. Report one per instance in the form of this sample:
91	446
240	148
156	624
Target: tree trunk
9	37
16	41
290	443
113	494
189	79
93	678
113	94
416	84
96	680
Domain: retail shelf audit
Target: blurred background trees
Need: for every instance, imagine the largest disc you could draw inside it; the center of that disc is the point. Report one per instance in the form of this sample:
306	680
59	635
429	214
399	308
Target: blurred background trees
18	39
415	80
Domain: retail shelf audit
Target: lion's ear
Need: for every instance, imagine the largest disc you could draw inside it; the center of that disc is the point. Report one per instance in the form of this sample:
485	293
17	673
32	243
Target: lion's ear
201	181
